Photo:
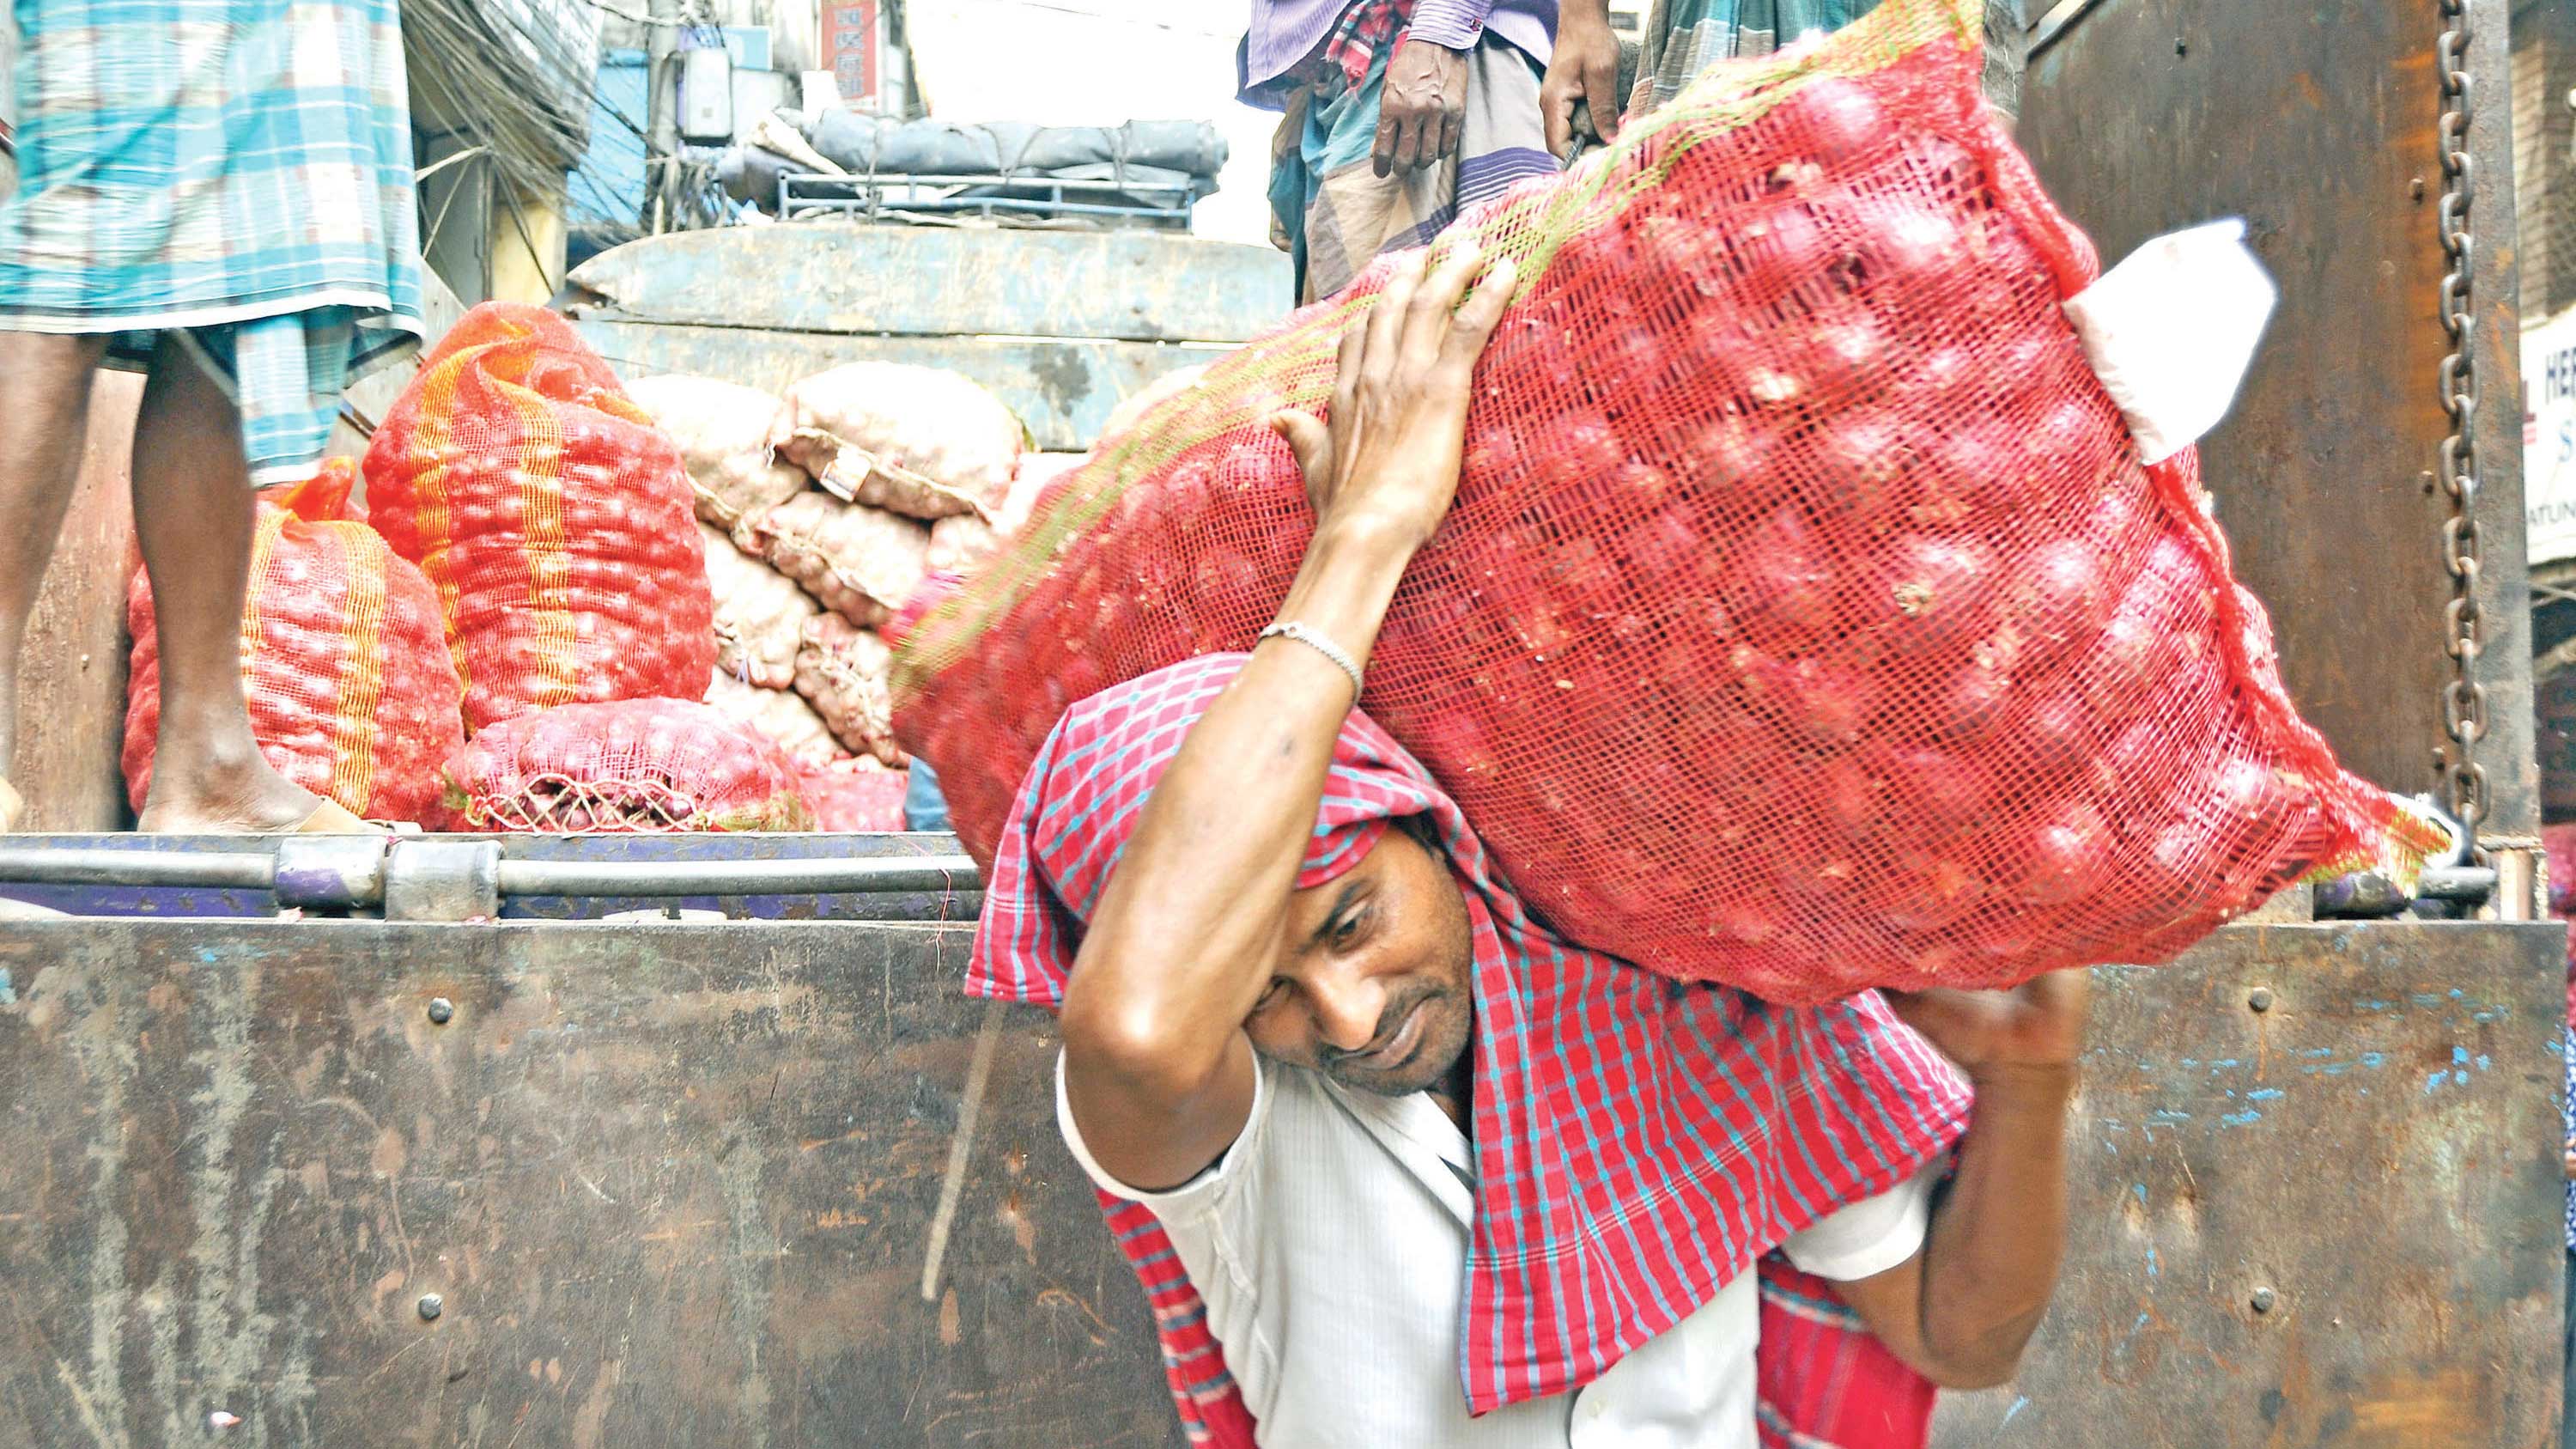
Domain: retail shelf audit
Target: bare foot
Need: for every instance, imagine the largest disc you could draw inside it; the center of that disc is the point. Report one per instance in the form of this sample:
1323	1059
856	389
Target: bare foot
229	797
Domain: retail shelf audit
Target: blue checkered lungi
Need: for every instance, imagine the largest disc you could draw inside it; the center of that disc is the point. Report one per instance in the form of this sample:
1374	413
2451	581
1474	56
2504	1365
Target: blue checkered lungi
235	171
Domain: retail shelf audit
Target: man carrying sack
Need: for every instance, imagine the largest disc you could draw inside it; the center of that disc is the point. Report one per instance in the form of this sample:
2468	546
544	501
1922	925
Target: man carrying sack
1396	1164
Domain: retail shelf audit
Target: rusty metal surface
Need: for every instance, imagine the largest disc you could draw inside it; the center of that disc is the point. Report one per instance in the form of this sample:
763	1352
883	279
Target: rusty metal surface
178	901
2147	115
2378	1149
1063	389
677	1186
71	684
672	1185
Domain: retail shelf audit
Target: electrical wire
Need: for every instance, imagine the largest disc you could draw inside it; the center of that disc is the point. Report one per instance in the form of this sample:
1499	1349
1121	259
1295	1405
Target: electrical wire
516	80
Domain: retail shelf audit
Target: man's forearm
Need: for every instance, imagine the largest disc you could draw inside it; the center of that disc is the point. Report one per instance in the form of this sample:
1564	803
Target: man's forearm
2000	1232
1217	849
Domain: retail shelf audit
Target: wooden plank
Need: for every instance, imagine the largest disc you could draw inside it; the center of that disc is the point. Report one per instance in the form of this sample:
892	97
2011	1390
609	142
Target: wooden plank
71	685
2145	116
1133	286
1063	390
2376	1150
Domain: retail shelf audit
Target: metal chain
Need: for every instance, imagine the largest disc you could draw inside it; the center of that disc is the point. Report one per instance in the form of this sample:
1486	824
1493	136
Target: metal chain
2464	699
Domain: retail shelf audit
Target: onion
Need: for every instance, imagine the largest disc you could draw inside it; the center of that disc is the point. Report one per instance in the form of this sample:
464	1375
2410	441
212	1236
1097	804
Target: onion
1082	677
2068	856
1746	920
1947	374
1849	797
1495	457
1785	588
1251	464
1836	121
1222	573
2060	598
1699	643
1908	243
1953	171
1679	249
1639	485
1843	359
2130	663
1667	549
2068	447
1868	470
1727	454
1970	702
1529	356
1629	370
1926	896
1927	595
1938	793
1595	261
2117	513
2253	805
1778	251
1576	448
1456	746
2142	757
1821	704
2054	738
2008	940
1576	570
1713	350
2173	879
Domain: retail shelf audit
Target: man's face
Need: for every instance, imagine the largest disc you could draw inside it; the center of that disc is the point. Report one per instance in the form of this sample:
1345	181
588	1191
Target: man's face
1374	990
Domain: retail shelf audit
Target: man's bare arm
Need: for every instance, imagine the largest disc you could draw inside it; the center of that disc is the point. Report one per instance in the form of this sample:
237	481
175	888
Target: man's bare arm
1191	927
1962	1310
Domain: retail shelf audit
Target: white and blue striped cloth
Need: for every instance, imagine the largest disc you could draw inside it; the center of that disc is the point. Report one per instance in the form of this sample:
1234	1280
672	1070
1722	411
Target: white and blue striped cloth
236	170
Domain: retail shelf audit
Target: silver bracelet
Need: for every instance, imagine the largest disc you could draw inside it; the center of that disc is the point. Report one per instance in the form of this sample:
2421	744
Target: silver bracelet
1291	629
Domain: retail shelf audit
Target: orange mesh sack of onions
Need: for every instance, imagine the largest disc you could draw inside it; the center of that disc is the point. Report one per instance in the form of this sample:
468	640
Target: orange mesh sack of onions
1812	616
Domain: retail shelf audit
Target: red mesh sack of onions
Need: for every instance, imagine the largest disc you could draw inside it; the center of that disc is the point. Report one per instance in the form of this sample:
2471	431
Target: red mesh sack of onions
1806	620
344	659
633	766
550	514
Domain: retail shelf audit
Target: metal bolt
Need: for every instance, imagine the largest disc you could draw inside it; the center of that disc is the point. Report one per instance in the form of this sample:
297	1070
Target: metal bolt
2264	1298
2415	188
431	1305
2260	998
441	1010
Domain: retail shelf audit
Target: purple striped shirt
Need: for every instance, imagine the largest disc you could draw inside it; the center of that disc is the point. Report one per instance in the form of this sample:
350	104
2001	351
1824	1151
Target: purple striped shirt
1285	32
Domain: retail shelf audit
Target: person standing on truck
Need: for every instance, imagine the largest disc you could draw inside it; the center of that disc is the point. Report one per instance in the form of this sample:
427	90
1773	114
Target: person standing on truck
217	193
1397	114
1684	37
1397	1165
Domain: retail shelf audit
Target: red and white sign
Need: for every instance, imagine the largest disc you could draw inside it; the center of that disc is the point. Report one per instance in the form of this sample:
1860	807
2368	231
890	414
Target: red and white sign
854	48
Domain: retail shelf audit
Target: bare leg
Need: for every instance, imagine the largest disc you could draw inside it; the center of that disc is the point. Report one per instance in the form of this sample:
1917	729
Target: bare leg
44	400
193	512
